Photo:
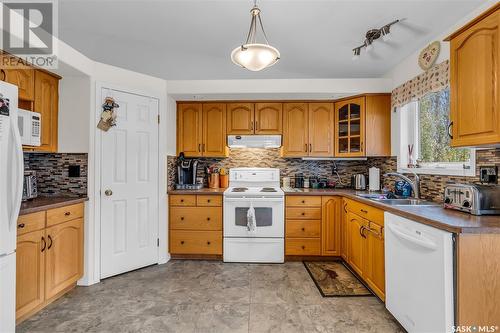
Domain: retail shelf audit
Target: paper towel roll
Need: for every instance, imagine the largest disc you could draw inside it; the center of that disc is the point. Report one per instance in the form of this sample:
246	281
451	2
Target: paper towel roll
374	179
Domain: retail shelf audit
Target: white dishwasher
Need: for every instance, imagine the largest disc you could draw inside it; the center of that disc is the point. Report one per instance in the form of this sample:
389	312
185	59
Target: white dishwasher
419	275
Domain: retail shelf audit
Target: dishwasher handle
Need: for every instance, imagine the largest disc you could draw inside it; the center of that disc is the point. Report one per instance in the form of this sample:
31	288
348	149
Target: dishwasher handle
423	242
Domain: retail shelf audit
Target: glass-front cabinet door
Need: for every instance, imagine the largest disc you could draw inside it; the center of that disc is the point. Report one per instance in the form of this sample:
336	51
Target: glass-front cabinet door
350	127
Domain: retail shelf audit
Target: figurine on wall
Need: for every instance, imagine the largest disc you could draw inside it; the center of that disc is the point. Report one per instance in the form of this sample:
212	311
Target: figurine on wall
108	115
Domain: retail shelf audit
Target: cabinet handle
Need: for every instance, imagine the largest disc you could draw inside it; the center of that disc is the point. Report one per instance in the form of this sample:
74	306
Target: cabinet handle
251	125
303	247
256	125
363	211
303	201
208	243
50	244
44	244
182	200
182	242
4	75
203	147
310	147
208	218
21	225
361	146
303	213
306	147
345	208
449	130
361	229
67	213
199	147
182	218
303	229
208	201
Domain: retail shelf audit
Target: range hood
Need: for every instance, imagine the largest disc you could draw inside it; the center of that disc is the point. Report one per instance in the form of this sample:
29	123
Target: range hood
254	141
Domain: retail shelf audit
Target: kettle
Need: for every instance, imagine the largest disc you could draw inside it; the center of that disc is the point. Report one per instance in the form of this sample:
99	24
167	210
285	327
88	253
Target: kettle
358	182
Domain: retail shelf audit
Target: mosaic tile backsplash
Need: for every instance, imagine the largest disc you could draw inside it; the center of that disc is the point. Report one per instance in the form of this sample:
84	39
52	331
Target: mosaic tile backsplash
52	173
432	187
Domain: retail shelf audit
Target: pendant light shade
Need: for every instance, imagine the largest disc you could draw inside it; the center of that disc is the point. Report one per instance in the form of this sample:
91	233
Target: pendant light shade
252	55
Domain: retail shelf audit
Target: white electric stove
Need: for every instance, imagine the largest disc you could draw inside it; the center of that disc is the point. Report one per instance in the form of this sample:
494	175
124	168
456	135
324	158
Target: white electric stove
259	237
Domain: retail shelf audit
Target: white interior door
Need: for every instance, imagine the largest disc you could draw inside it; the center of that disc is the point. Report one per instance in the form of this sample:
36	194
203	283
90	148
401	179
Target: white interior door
129	185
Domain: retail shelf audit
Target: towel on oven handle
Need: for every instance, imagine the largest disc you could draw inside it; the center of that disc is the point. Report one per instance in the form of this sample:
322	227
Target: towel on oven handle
251	221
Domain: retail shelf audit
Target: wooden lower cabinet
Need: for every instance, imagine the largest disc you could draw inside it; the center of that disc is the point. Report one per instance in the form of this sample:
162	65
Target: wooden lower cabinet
303	246
30	272
355	242
331	218
64	256
365	247
195	224
49	261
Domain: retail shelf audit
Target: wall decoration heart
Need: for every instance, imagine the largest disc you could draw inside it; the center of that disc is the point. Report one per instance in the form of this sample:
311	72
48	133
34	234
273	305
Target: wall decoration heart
428	55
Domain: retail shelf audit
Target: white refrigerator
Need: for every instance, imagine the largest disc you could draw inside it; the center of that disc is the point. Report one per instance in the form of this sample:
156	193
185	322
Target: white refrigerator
11	186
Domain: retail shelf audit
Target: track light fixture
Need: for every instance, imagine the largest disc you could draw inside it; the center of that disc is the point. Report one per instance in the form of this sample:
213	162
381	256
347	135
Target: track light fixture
372	35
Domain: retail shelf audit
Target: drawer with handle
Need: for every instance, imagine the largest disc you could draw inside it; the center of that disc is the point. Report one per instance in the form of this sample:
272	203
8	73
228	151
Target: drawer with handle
368	212
30	222
209	200
303	200
182	200
196	218
63	214
303	246
303	228
303	213
195	242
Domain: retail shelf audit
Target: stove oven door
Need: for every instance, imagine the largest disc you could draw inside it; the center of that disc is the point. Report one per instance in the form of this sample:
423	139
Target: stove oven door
269	216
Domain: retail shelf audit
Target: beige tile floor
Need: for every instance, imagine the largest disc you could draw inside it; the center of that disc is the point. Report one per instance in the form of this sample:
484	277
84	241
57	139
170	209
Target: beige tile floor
209	296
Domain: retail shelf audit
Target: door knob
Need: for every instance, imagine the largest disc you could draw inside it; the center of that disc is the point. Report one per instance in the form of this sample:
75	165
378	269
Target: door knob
108	192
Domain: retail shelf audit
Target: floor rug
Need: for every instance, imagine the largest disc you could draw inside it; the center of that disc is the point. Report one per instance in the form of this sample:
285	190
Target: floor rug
333	279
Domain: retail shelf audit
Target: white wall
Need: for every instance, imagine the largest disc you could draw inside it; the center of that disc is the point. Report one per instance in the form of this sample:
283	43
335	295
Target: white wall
75	108
409	68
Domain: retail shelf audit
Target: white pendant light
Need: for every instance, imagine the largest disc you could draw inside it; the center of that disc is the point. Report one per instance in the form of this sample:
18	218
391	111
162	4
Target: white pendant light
252	55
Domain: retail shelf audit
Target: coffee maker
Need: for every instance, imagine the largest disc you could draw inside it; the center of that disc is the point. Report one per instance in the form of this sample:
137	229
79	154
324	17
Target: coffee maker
186	173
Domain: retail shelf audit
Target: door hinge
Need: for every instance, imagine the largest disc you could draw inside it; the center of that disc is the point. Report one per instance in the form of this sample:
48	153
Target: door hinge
158	242
158	119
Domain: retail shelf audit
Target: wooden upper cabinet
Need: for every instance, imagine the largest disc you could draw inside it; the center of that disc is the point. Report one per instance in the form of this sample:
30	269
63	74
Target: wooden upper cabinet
64	256
24	79
268	118
330	224
474	86
190	129
214	130
30	272
377	124
295	130
47	104
350	127
240	118
321	129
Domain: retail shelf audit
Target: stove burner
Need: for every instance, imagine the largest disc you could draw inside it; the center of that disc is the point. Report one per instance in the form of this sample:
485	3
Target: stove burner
239	189
268	189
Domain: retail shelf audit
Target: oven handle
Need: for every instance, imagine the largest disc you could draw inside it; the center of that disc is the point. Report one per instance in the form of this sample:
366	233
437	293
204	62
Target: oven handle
246	199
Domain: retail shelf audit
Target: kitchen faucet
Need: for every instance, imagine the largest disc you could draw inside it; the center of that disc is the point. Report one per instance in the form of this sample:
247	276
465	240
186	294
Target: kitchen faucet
415	185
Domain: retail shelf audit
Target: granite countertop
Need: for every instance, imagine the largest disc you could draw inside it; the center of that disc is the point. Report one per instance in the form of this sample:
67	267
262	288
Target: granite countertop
43	203
204	190
435	216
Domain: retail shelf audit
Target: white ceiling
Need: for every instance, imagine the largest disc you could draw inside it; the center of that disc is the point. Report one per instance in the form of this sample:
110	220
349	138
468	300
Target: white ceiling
192	39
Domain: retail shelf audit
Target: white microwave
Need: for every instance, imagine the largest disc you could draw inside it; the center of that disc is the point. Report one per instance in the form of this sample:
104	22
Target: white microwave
30	127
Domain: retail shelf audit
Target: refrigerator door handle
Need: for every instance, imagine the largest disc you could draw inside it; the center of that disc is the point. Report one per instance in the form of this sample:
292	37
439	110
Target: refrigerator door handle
19	172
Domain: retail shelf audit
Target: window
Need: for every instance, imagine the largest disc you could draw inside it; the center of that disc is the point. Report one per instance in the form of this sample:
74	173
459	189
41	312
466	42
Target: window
425	140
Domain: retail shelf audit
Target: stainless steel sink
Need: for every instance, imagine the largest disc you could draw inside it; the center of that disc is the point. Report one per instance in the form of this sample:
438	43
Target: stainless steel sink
375	196
406	202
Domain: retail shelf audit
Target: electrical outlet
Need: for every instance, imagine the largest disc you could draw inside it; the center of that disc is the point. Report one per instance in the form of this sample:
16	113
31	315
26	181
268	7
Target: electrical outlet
488	174
74	171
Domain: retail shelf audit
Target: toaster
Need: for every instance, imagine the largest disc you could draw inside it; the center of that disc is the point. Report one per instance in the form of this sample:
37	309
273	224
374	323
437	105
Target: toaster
30	189
473	198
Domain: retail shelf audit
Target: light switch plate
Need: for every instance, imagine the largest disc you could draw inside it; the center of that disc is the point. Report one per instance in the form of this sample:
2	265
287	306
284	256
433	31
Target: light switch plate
488	174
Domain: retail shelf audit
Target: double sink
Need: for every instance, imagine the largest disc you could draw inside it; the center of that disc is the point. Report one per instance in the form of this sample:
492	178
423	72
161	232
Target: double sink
382	198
